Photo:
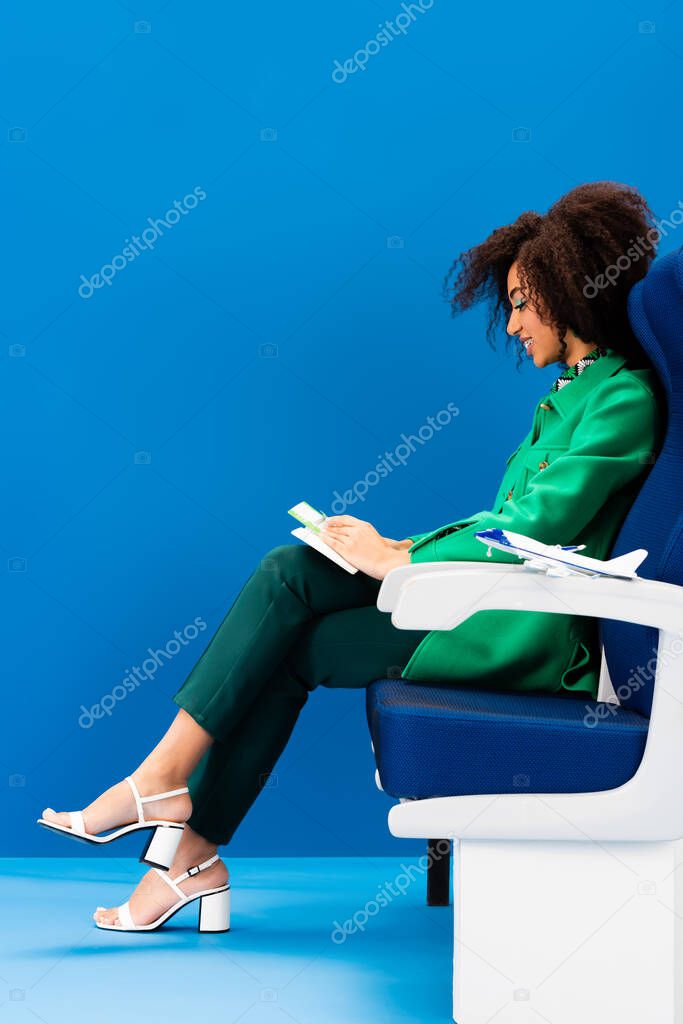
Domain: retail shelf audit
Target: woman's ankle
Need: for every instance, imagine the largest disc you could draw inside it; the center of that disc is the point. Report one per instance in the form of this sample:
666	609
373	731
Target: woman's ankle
171	762
152	777
193	849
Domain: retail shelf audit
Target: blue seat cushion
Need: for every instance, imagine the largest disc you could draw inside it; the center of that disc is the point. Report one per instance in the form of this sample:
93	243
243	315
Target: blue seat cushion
450	741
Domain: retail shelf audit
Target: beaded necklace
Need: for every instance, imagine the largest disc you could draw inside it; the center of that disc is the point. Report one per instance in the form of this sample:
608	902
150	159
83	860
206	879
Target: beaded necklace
572	372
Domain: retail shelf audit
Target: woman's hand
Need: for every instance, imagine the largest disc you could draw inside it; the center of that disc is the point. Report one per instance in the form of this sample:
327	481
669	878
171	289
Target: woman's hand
361	545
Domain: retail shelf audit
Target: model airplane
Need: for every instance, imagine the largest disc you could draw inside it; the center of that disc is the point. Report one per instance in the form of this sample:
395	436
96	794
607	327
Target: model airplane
561	561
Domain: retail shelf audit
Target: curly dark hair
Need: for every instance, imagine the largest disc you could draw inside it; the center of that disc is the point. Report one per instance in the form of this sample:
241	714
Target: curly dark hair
598	227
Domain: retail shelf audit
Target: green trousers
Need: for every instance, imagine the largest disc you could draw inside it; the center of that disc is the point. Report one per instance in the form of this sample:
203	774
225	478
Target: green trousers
299	621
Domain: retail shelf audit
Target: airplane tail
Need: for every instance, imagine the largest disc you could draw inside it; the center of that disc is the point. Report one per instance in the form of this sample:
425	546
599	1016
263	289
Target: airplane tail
626	565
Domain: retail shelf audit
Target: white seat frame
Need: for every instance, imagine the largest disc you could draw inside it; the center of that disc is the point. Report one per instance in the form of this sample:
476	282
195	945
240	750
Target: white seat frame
567	905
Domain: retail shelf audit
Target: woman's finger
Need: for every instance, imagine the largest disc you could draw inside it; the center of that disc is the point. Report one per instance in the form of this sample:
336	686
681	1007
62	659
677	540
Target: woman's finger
341	521
334	542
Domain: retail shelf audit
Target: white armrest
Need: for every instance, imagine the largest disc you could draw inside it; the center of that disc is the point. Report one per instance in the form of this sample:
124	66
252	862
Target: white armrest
443	598
394	580
648	806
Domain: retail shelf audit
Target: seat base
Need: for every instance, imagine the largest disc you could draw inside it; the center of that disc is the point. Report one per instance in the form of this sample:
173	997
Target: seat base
433	741
565	931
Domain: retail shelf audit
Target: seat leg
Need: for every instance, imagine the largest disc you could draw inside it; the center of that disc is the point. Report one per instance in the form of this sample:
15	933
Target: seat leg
565	932
438	872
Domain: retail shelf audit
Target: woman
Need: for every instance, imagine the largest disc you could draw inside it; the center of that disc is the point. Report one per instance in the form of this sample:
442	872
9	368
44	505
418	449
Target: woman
299	621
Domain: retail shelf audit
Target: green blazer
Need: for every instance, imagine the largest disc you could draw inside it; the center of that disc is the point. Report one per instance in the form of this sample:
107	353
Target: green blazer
572	480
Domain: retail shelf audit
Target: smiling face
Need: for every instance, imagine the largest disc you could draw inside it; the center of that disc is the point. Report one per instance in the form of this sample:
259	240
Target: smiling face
541	341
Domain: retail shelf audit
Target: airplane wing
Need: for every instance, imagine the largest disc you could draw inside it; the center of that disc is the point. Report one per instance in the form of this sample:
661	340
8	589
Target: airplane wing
565	570
553	568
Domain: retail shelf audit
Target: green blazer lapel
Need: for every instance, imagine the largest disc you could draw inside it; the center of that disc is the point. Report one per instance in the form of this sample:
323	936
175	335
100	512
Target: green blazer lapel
571	394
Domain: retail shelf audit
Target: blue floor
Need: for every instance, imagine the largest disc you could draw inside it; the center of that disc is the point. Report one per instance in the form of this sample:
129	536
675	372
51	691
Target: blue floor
278	963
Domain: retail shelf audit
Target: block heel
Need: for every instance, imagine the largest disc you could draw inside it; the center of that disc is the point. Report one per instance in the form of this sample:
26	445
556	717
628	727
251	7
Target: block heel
161	846
214	912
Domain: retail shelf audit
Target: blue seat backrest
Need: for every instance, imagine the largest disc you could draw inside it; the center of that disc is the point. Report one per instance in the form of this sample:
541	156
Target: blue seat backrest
655	521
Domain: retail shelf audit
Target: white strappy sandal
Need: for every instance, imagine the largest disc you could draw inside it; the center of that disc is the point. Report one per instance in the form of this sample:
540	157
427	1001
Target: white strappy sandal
162	844
214	905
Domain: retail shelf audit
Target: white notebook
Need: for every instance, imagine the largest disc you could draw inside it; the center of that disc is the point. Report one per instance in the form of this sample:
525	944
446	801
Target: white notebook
315	541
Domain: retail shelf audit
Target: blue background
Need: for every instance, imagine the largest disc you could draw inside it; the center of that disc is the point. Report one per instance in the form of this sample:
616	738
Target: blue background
332	212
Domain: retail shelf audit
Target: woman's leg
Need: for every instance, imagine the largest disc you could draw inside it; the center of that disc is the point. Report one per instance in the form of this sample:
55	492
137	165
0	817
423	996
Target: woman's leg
292	585
344	649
